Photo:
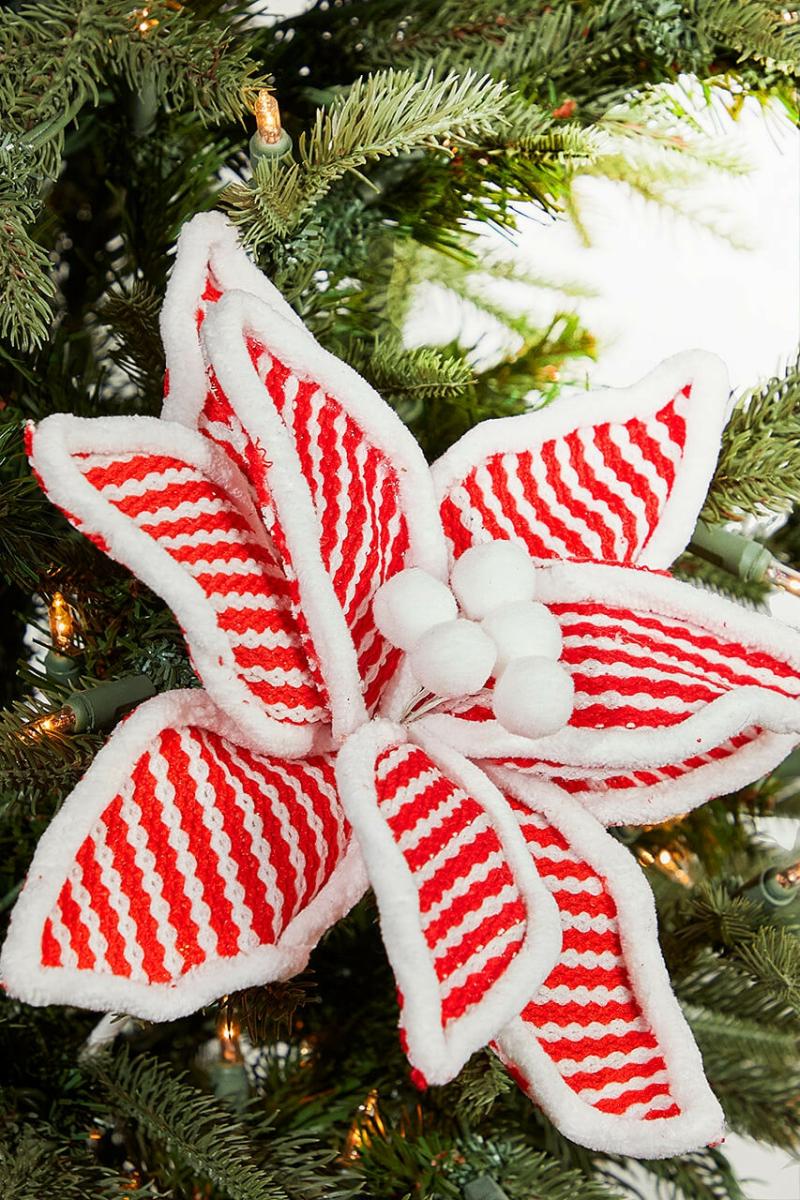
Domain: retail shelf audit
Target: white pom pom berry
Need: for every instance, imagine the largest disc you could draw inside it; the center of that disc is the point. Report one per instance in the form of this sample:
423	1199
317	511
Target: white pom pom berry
522	630
534	697
411	603
496	573
453	659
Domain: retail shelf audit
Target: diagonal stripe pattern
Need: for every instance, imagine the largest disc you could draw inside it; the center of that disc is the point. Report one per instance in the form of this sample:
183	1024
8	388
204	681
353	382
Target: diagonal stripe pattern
472	916
239	572
596	493
587	1016
208	852
354	489
634	669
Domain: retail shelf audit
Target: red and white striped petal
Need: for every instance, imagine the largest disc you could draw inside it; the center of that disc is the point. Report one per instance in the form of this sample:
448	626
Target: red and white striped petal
676	700
341	485
468	926
168	503
209	263
609	476
183	866
602	1045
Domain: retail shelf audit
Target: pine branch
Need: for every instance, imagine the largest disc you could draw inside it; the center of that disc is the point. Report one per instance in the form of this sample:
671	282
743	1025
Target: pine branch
57	57
201	1133
759	464
383	115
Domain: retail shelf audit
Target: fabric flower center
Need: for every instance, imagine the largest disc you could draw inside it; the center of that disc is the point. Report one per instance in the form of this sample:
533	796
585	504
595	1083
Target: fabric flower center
486	624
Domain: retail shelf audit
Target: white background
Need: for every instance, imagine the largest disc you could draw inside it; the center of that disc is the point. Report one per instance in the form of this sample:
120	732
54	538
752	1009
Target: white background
664	286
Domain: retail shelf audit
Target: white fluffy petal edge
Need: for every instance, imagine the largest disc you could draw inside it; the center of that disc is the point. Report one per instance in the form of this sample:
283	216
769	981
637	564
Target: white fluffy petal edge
706	417
55	442
701	1120
437	1053
20	969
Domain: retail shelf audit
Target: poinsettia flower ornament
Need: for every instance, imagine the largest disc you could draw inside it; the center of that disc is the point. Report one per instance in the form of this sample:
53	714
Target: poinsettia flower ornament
445	683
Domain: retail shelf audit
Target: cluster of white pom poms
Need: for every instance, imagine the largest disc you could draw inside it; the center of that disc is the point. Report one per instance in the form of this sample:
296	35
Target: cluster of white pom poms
503	632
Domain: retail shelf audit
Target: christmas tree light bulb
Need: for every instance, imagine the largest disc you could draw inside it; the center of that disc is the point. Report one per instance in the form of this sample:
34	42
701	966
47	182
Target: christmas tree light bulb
270	139
62	625
268	117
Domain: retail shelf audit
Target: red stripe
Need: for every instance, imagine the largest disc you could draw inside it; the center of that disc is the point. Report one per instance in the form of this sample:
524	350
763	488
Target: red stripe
580	466
622	1103
625	471
478	850
575	542
99	897
173	882
605	1074
275	840
455	529
476	987
259	904
73	922
132	880
603	492
492	926
497	471
609	1043
193	822
460	906
51	951
437	792
449	832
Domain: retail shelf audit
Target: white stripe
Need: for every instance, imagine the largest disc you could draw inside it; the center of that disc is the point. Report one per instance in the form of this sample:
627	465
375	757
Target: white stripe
600	1062
89	462
279	676
152	882
490	906
97	942
208	537
605	960
587	498
267	788
68	956
462	886
193	742
470	517
268	639
208	506
187	863
359	560
586	924
155	481
411	838
118	900
660	433
565	994
224	566
615	485
611	700
637	1112
407	793
611	1091
592	886
476	962
259	845
343	479
591	540
451	850
510	464
314	821
485	485
550	1031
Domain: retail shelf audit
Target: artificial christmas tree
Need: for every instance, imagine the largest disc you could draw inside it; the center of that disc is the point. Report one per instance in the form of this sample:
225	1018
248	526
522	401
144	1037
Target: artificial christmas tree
217	834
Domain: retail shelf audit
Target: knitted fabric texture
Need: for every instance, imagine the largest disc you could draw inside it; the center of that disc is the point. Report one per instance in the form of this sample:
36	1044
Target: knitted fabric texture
221	830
